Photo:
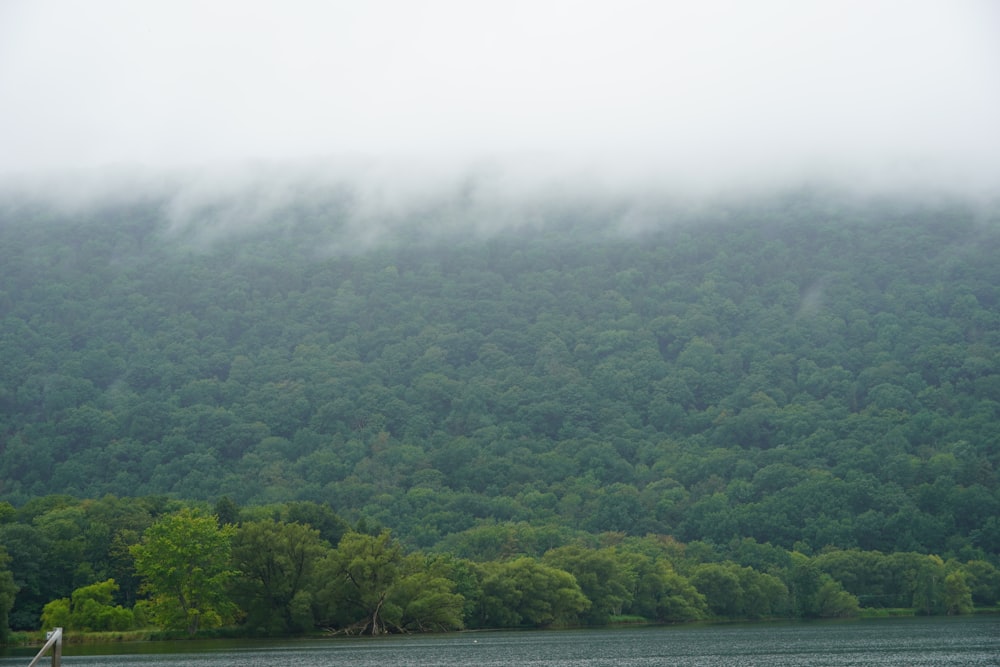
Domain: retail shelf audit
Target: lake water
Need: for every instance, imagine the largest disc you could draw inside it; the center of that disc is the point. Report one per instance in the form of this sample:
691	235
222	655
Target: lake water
910	642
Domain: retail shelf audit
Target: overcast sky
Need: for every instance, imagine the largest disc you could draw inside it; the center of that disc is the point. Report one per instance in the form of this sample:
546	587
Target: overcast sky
648	90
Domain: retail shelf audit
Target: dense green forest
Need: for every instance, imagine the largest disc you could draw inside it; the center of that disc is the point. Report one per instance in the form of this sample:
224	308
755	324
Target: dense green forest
137	564
812	374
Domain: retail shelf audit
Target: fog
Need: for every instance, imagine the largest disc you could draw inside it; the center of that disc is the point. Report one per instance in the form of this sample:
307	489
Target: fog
496	99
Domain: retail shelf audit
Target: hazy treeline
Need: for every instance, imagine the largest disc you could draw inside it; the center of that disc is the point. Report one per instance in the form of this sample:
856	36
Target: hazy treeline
806	371
127	563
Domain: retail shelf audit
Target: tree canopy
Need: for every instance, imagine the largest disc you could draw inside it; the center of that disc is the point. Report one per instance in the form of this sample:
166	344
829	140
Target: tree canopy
812	372
184	561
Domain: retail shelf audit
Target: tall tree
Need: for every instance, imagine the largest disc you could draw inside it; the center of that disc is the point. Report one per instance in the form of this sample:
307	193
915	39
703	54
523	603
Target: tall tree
8	590
660	593
372	587
605	579
184	561
276	562
359	574
526	592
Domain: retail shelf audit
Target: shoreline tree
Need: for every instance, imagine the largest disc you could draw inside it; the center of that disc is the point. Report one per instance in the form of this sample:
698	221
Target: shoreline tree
184	560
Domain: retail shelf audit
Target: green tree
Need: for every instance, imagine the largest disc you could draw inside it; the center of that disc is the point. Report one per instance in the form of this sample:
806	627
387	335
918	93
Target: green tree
359	574
815	594
957	594
764	594
927	581
984	581
276	563
227	511
66	563
425	596
720	584
372	587
8	593
89	609
832	601
56	614
28	551
321	517
526	592
605	579
114	525
865	574
660	593
184	560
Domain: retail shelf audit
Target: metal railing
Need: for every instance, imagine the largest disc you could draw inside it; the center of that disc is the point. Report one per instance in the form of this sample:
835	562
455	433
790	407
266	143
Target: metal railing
54	641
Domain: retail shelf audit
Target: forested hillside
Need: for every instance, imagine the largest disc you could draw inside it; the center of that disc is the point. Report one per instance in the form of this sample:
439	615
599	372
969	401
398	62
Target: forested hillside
809	370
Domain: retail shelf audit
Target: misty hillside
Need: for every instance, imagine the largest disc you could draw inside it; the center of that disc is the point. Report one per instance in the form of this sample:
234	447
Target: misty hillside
805	370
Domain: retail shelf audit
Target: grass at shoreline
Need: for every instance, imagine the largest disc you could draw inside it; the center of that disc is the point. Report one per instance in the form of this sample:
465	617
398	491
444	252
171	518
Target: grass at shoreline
38	638
877	612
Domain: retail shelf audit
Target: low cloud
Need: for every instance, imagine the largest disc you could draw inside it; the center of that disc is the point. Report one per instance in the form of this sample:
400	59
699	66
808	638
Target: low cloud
517	97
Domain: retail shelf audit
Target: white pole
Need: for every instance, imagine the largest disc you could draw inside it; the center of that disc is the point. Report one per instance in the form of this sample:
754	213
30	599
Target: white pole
53	641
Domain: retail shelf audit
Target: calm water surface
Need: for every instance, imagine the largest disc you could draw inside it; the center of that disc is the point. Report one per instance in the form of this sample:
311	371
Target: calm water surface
944	642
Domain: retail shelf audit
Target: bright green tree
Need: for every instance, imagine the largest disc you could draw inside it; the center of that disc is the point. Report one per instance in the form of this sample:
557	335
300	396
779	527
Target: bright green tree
184	561
89	609
957	594
928	585
56	614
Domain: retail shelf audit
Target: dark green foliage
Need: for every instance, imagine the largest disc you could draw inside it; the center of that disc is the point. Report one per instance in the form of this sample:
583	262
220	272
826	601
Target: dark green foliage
807	372
33	584
526	592
984	581
367	585
8	591
659	593
815	594
276	565
324	520
807	369
58	544
283	579
226	511
604	580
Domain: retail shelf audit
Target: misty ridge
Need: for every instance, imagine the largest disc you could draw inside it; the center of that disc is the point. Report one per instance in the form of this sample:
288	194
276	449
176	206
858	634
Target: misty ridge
487	363
351	206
